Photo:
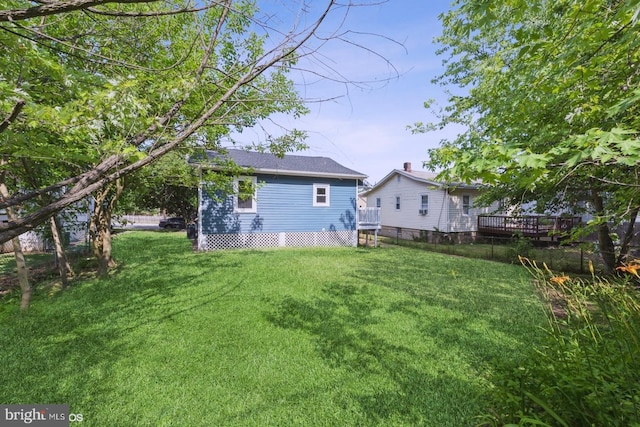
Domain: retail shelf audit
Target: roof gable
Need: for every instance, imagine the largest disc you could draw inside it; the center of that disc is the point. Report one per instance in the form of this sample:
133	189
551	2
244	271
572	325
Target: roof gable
427	178
287	165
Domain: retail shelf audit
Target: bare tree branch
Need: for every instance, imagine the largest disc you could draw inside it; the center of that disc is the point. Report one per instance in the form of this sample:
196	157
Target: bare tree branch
148	14
21	198
13	115
55	8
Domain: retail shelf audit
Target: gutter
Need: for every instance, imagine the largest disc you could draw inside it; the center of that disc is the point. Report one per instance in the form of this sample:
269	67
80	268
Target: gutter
290	172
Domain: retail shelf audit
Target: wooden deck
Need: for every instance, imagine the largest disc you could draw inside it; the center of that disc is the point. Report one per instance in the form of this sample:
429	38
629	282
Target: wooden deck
537	227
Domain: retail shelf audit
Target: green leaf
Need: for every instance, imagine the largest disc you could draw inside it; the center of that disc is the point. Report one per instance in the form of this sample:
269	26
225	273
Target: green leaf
547	409
533	160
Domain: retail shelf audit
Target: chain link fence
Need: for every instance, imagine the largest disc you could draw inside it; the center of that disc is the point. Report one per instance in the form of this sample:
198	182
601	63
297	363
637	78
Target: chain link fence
573	257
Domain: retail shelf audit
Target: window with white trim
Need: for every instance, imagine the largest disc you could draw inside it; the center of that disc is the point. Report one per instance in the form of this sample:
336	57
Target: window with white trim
424	204
244	200
466	204
321	194
378	202
397	203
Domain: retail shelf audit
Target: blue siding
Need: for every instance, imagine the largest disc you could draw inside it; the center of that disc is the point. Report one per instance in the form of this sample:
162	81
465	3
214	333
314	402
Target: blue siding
284	204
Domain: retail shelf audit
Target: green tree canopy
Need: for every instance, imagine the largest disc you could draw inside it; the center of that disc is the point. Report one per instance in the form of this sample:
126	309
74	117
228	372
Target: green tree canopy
170	184
94	90
549	98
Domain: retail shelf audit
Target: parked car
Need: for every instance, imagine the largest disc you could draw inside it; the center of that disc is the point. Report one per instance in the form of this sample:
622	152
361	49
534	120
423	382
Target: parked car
173	223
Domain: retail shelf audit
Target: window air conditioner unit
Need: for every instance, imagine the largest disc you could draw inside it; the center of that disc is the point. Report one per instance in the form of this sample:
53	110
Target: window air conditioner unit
422	211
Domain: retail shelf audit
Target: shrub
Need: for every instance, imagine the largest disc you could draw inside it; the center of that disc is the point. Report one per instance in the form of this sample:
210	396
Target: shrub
520	246
423	236
588	370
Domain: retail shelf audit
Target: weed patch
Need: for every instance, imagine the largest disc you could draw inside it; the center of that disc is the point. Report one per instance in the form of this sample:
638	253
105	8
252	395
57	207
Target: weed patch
587	371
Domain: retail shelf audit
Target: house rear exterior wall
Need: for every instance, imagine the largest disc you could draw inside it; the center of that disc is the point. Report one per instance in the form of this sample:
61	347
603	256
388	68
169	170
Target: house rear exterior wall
283	204
446	213
408	215
458	220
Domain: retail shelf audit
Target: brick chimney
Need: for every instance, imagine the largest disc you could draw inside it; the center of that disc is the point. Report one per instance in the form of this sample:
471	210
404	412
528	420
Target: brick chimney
407	166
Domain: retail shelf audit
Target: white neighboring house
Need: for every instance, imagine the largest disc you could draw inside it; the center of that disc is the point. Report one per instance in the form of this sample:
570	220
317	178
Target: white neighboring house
29	241
74	227
413	203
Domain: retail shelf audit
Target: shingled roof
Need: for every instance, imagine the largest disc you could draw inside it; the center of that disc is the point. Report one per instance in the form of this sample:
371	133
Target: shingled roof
427	178
288	165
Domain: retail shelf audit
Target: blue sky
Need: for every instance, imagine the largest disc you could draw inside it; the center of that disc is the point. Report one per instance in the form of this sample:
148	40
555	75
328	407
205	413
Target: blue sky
365	127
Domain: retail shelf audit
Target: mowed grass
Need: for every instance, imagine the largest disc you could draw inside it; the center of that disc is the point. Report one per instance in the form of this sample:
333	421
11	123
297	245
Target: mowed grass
309	337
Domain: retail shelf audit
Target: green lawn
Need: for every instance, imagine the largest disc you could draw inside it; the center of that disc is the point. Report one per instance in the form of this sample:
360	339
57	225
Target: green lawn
318	337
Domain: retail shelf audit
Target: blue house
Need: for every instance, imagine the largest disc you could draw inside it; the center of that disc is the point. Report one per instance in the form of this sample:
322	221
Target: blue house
297	201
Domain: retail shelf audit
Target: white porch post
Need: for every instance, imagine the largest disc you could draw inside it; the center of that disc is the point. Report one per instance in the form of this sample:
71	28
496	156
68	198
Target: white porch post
200	237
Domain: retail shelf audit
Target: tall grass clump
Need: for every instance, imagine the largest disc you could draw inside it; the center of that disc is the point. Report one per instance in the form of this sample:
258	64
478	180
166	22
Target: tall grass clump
587	372
520	246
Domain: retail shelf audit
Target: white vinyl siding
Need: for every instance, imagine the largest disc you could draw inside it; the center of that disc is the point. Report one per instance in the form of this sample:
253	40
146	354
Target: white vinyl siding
409	192
461	202
445	210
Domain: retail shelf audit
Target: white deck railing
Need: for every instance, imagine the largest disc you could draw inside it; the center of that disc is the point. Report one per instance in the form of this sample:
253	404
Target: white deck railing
368	218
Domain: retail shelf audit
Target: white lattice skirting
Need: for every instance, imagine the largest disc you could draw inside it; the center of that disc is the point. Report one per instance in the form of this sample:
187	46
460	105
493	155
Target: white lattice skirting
212	242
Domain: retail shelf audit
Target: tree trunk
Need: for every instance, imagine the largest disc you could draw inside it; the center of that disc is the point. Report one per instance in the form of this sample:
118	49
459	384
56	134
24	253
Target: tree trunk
21	264
64	268
101	234
605	243
23	274
100	227
628	236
